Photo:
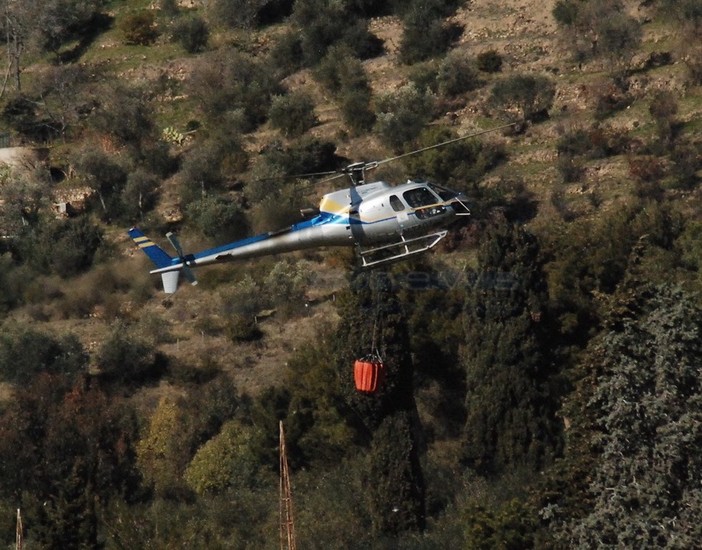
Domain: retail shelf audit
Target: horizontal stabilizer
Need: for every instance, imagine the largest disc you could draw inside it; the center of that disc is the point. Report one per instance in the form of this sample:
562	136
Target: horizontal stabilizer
155	253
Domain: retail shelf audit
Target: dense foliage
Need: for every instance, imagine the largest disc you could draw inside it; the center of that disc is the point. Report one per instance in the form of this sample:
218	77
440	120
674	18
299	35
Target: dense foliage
542	385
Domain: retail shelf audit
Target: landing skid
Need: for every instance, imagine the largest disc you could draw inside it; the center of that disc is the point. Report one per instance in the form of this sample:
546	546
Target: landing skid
402	249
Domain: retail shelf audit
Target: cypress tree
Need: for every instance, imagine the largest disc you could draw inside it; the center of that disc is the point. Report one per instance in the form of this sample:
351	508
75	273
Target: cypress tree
510	398
372	315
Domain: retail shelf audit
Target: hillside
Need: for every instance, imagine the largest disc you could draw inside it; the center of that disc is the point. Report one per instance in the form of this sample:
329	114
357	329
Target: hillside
507	348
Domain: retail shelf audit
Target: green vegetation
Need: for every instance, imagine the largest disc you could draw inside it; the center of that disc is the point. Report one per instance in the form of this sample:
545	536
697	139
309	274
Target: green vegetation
541	384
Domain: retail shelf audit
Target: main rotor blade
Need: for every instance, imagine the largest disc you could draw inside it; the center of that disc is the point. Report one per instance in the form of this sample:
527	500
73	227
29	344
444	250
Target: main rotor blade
360	166
447	142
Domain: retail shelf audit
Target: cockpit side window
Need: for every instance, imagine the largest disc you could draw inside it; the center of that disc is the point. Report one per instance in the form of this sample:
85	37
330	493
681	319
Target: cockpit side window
396	203
419	197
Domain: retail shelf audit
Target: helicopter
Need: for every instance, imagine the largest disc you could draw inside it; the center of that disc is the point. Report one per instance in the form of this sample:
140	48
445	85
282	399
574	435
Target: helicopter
385	223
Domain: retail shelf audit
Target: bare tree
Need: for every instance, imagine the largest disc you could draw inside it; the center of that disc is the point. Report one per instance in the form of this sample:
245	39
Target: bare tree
16	28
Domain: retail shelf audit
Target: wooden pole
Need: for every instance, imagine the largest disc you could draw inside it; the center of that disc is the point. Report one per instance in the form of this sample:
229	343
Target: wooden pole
18	533
287	526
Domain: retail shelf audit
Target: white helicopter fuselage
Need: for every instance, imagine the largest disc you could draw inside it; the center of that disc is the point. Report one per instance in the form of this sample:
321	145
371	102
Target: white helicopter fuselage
364	215
401	218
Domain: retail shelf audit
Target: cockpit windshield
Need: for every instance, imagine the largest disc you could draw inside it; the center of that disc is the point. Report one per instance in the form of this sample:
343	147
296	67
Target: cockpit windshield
445	194
420	197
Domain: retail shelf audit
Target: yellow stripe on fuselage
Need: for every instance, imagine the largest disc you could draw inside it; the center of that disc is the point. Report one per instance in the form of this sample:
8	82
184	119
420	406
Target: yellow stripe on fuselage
333	207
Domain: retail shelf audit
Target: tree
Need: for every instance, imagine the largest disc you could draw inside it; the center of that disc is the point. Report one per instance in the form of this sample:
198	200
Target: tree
293	114
126	359
371	314
344	76
323	24
637	426
192	33
225	462
457	74
219	218
425	33
227	81
161	456
104	175
394	476
25	352
402	115
67	451
16	27
139	28
124	114
24	196
530	96
511	389
139	194
58	21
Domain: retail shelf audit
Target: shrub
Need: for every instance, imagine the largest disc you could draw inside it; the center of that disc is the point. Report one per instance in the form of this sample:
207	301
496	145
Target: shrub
125	359
72	245
304	156
241	328
402	115
323	24
570	168
646	168
139	194
293	114
618	37
25	352
457	74
228	81
610	98
278	209
456	164
124	113
209	166
356	108
241	15
687	160
424	39
531	95
139	28
490	61
693	62
219	218
287	54
286	284
574	142
192	33
565	12
344	76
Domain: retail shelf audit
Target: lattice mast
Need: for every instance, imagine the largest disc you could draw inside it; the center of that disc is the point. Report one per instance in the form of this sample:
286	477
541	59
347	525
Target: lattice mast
287	525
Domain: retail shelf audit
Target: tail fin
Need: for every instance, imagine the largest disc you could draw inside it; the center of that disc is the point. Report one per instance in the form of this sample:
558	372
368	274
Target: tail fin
159	257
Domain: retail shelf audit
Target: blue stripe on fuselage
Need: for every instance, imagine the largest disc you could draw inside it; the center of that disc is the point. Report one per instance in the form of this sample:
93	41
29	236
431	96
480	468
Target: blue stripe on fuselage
321	219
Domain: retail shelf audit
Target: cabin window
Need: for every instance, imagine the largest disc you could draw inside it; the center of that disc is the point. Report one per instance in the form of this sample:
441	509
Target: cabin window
419	197
396	203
